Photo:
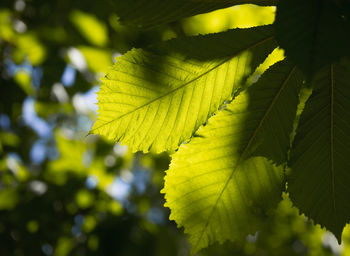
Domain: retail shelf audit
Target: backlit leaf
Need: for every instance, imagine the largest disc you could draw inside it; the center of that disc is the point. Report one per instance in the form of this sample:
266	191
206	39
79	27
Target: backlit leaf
158	98
145	13
217	186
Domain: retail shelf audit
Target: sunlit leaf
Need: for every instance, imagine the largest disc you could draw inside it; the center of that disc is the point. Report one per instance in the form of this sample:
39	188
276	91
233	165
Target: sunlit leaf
7	31
97	60
145	13
156	98
218	186
94	30
239	16
28	47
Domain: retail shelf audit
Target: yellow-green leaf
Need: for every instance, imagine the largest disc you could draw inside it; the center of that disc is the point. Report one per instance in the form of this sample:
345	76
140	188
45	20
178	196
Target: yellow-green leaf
157	98
220	185
145	13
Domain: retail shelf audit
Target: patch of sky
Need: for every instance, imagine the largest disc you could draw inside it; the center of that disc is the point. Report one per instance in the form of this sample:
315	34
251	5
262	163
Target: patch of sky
31	119
91	182
68	76
77	59
141	178
10	67
86	102
38	152
5	122
84	123
37	74
329	241
119	189
59	93
38	187
78	222
155	215
47	249
88	157
52	151
12	162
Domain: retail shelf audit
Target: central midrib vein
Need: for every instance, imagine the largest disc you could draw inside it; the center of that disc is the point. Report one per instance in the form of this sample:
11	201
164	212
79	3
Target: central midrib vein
246	149
187	83
332	134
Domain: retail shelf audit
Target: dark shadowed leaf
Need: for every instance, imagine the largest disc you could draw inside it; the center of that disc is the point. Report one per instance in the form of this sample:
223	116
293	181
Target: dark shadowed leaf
313	33
319	178
216	187
146	13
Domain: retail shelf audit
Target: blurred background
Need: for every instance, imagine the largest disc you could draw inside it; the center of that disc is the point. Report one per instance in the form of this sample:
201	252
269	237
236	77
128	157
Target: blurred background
64	192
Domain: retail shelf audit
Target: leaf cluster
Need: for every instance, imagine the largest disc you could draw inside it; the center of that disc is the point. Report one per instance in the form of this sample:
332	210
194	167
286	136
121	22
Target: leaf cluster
239	145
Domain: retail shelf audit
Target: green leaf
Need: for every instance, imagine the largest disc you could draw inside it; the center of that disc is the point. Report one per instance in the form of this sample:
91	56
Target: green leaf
319	178
158	98
217	187
147	13
93	29
313	33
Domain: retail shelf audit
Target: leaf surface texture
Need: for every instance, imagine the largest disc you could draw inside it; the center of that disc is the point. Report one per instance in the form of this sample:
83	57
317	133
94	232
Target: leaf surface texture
217	186
313	33
319	177
157	98
148	13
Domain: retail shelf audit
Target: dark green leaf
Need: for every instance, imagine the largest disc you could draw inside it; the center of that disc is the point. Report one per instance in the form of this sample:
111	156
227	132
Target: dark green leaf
146	13
313	33
214	187
320	177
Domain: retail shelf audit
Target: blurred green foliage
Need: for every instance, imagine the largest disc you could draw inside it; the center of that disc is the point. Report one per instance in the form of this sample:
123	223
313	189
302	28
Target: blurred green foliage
65	193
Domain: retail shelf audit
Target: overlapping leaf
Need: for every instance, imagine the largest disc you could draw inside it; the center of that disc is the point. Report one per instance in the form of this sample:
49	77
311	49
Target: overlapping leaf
313	33
217	187
320	176
146	13
159	97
